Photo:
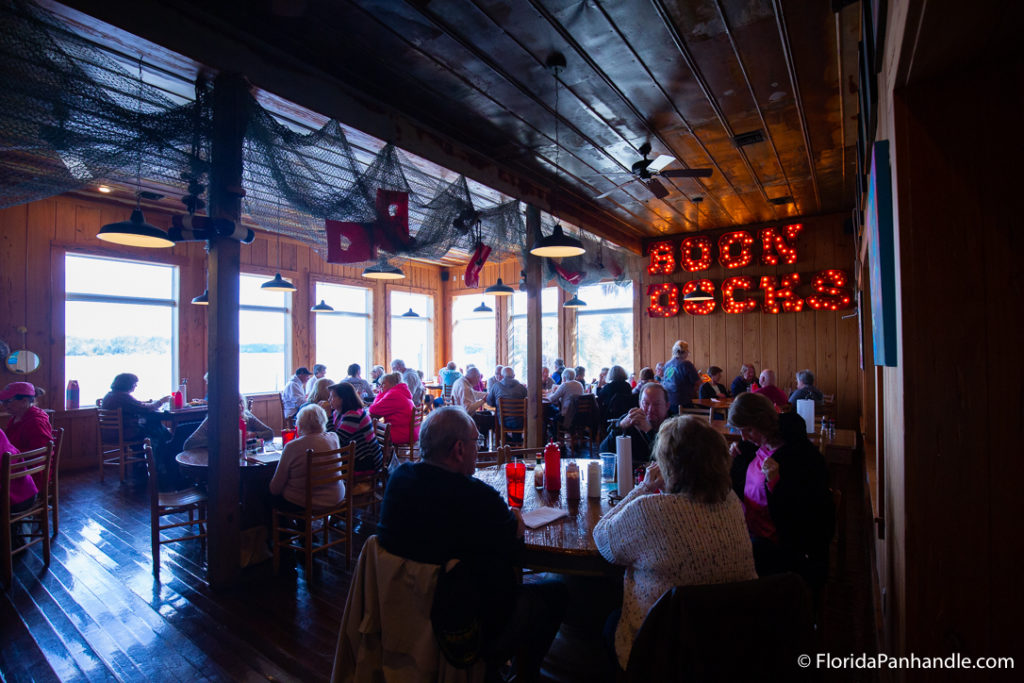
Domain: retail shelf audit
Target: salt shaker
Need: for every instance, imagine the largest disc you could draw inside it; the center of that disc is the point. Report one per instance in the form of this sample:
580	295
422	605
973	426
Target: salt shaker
572	481
593	479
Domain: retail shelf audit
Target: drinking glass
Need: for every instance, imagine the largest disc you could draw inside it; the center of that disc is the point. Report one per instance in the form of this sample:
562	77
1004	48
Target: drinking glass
515	479
607	467
287	434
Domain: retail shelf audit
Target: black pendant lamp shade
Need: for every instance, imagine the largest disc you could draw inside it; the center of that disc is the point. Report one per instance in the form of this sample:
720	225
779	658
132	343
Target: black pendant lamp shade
321	307
135	232
203	299
483	308
557	244
698	295
278	284
383	271
410	314
499	288
574	302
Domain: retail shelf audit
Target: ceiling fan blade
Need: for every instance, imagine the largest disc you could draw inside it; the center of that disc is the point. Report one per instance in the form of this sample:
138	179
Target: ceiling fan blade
623	175
687	173
656	188
661	162
605	194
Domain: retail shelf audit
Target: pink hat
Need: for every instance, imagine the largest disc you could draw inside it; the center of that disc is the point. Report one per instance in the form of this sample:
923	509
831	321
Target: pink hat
17	389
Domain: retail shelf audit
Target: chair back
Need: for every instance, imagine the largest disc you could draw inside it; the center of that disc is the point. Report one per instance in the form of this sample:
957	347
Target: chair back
525	453
511	409
382	430
153	480
586	414
699	411
17	466
327	468
446	392
499	456
702	633
111	429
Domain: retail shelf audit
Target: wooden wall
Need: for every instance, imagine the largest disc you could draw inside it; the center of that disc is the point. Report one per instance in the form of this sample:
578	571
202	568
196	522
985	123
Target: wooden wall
35	236
820	340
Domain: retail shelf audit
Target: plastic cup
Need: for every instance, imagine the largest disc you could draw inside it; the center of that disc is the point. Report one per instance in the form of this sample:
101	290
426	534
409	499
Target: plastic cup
287	435
515	479
607	467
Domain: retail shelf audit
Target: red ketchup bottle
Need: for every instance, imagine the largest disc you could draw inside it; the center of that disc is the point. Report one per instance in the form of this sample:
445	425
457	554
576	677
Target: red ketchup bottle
552	467
243	430
177	400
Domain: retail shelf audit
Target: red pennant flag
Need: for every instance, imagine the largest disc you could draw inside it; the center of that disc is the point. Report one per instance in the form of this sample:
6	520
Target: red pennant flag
391	232
349	242
573	278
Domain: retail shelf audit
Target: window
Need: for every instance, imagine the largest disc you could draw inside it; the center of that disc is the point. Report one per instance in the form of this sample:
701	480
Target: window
604	328
412	339
344	335
264	333
473	334
517	329
120	316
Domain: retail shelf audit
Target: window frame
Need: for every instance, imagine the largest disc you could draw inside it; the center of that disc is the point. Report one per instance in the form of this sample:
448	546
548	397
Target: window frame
588	311
316	278
289	316
391	315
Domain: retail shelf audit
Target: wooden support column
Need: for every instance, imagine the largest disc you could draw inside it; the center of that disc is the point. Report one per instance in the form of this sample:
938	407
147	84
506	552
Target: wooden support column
229	123
534	327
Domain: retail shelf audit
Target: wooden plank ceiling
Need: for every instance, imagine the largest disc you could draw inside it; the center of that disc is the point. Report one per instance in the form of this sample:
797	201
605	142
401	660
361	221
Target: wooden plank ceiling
464	84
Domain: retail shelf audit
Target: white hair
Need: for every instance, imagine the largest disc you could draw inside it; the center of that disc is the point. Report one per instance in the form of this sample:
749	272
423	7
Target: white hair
311	419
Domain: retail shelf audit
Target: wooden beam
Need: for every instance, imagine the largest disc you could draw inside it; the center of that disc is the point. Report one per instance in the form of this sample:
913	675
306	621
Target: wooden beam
534	326
229	122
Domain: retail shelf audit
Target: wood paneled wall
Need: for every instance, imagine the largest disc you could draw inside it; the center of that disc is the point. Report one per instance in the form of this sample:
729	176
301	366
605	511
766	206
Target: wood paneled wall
823	341
34	238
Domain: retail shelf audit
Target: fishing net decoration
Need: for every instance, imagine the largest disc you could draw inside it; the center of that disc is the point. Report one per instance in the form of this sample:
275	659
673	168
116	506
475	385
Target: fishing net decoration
73	114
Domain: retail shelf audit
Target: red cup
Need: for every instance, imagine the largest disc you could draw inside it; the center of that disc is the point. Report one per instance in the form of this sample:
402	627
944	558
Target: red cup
287	435
515	479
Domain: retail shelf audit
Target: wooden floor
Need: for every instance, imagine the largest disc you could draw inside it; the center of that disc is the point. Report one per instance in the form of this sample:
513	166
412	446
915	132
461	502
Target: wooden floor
97	613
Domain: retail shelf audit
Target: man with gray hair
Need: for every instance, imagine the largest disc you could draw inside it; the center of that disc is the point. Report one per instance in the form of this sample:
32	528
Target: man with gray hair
411	378
435	511
508	387
805	389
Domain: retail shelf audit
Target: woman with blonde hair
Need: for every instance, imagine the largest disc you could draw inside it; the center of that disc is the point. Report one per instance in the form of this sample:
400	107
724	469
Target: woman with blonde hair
692	534
681	377
320	393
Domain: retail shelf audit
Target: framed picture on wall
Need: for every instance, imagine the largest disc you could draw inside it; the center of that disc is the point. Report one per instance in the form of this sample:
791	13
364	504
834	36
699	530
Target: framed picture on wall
881	256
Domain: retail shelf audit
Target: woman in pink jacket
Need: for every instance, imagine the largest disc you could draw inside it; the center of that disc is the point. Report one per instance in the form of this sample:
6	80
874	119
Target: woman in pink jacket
394	405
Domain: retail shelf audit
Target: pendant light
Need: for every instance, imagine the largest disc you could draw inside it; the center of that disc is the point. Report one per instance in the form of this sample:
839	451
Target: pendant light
483	308
698	294
278	283
574	302
499	288
321	307
203	299
383	270
557	244
136	232
410	314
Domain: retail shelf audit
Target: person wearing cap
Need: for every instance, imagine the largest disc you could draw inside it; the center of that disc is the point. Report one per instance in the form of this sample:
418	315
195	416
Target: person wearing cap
29	427
294	395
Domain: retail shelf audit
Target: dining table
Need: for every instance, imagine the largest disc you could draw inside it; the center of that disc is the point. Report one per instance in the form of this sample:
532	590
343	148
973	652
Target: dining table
173	417
565	545
256	471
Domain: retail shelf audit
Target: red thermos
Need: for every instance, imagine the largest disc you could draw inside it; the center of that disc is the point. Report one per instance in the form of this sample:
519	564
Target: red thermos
552	467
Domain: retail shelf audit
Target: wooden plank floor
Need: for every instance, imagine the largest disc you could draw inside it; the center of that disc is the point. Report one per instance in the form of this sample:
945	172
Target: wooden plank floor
98	614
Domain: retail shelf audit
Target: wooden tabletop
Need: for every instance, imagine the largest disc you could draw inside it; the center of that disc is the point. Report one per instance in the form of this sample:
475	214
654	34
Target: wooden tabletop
567	544
198	458
188	413
722	403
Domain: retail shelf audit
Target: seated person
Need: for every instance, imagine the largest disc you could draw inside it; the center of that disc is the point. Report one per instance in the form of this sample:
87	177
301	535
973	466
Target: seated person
29	426
546	383
394	405
435	511
767	388
646	375
616	396
782	480
466	396
693	534
659	372
714	388
805	389
294	395
508	387
351	422
641	424
745	381
448	374
376	375
319	372
288	487
411	378
255	429
319	393
363	388
561	399
579	374
556	374
139	419
602	379
23	490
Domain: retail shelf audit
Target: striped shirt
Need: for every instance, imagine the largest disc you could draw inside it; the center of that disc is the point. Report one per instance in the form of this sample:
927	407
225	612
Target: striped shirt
356	426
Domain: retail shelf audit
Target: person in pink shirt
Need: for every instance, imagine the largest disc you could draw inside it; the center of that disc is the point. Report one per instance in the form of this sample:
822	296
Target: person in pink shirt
23	490
768	389
394	405
29	426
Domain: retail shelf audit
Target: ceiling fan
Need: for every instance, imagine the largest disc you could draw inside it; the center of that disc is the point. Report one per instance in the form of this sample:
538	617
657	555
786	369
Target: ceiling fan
646	171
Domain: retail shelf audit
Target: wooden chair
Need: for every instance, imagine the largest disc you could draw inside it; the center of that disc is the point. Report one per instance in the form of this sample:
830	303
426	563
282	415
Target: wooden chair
827	407
499	456
322	469
191	500
378	480
511	408
699	411
53	489
410	450
446	393
112	449
13	468
584	423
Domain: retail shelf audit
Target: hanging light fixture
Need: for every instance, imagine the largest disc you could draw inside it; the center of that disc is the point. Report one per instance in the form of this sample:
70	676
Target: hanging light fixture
203	299
483	308
321	307
136	232
499	288
410	314
698	294
574	302
557	244
383	270
278	284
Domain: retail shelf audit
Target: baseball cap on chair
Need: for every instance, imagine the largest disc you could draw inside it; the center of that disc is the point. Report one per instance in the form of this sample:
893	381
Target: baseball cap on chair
17	389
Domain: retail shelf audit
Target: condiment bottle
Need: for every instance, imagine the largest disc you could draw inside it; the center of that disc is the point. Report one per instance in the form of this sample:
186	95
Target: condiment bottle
242	432
177	400
552	467
538	476
71	396
572	481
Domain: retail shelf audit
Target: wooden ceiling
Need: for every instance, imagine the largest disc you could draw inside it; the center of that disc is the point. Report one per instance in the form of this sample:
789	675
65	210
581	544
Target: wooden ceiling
463	83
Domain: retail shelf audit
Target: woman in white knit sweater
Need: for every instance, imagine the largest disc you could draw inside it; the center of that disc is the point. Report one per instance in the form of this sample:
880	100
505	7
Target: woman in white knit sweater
682	526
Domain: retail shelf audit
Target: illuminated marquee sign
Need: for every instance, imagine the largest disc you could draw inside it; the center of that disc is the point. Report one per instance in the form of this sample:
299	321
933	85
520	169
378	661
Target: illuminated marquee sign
832	289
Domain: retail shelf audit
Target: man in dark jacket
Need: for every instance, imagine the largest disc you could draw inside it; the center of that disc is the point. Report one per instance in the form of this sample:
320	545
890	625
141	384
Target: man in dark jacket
641	424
